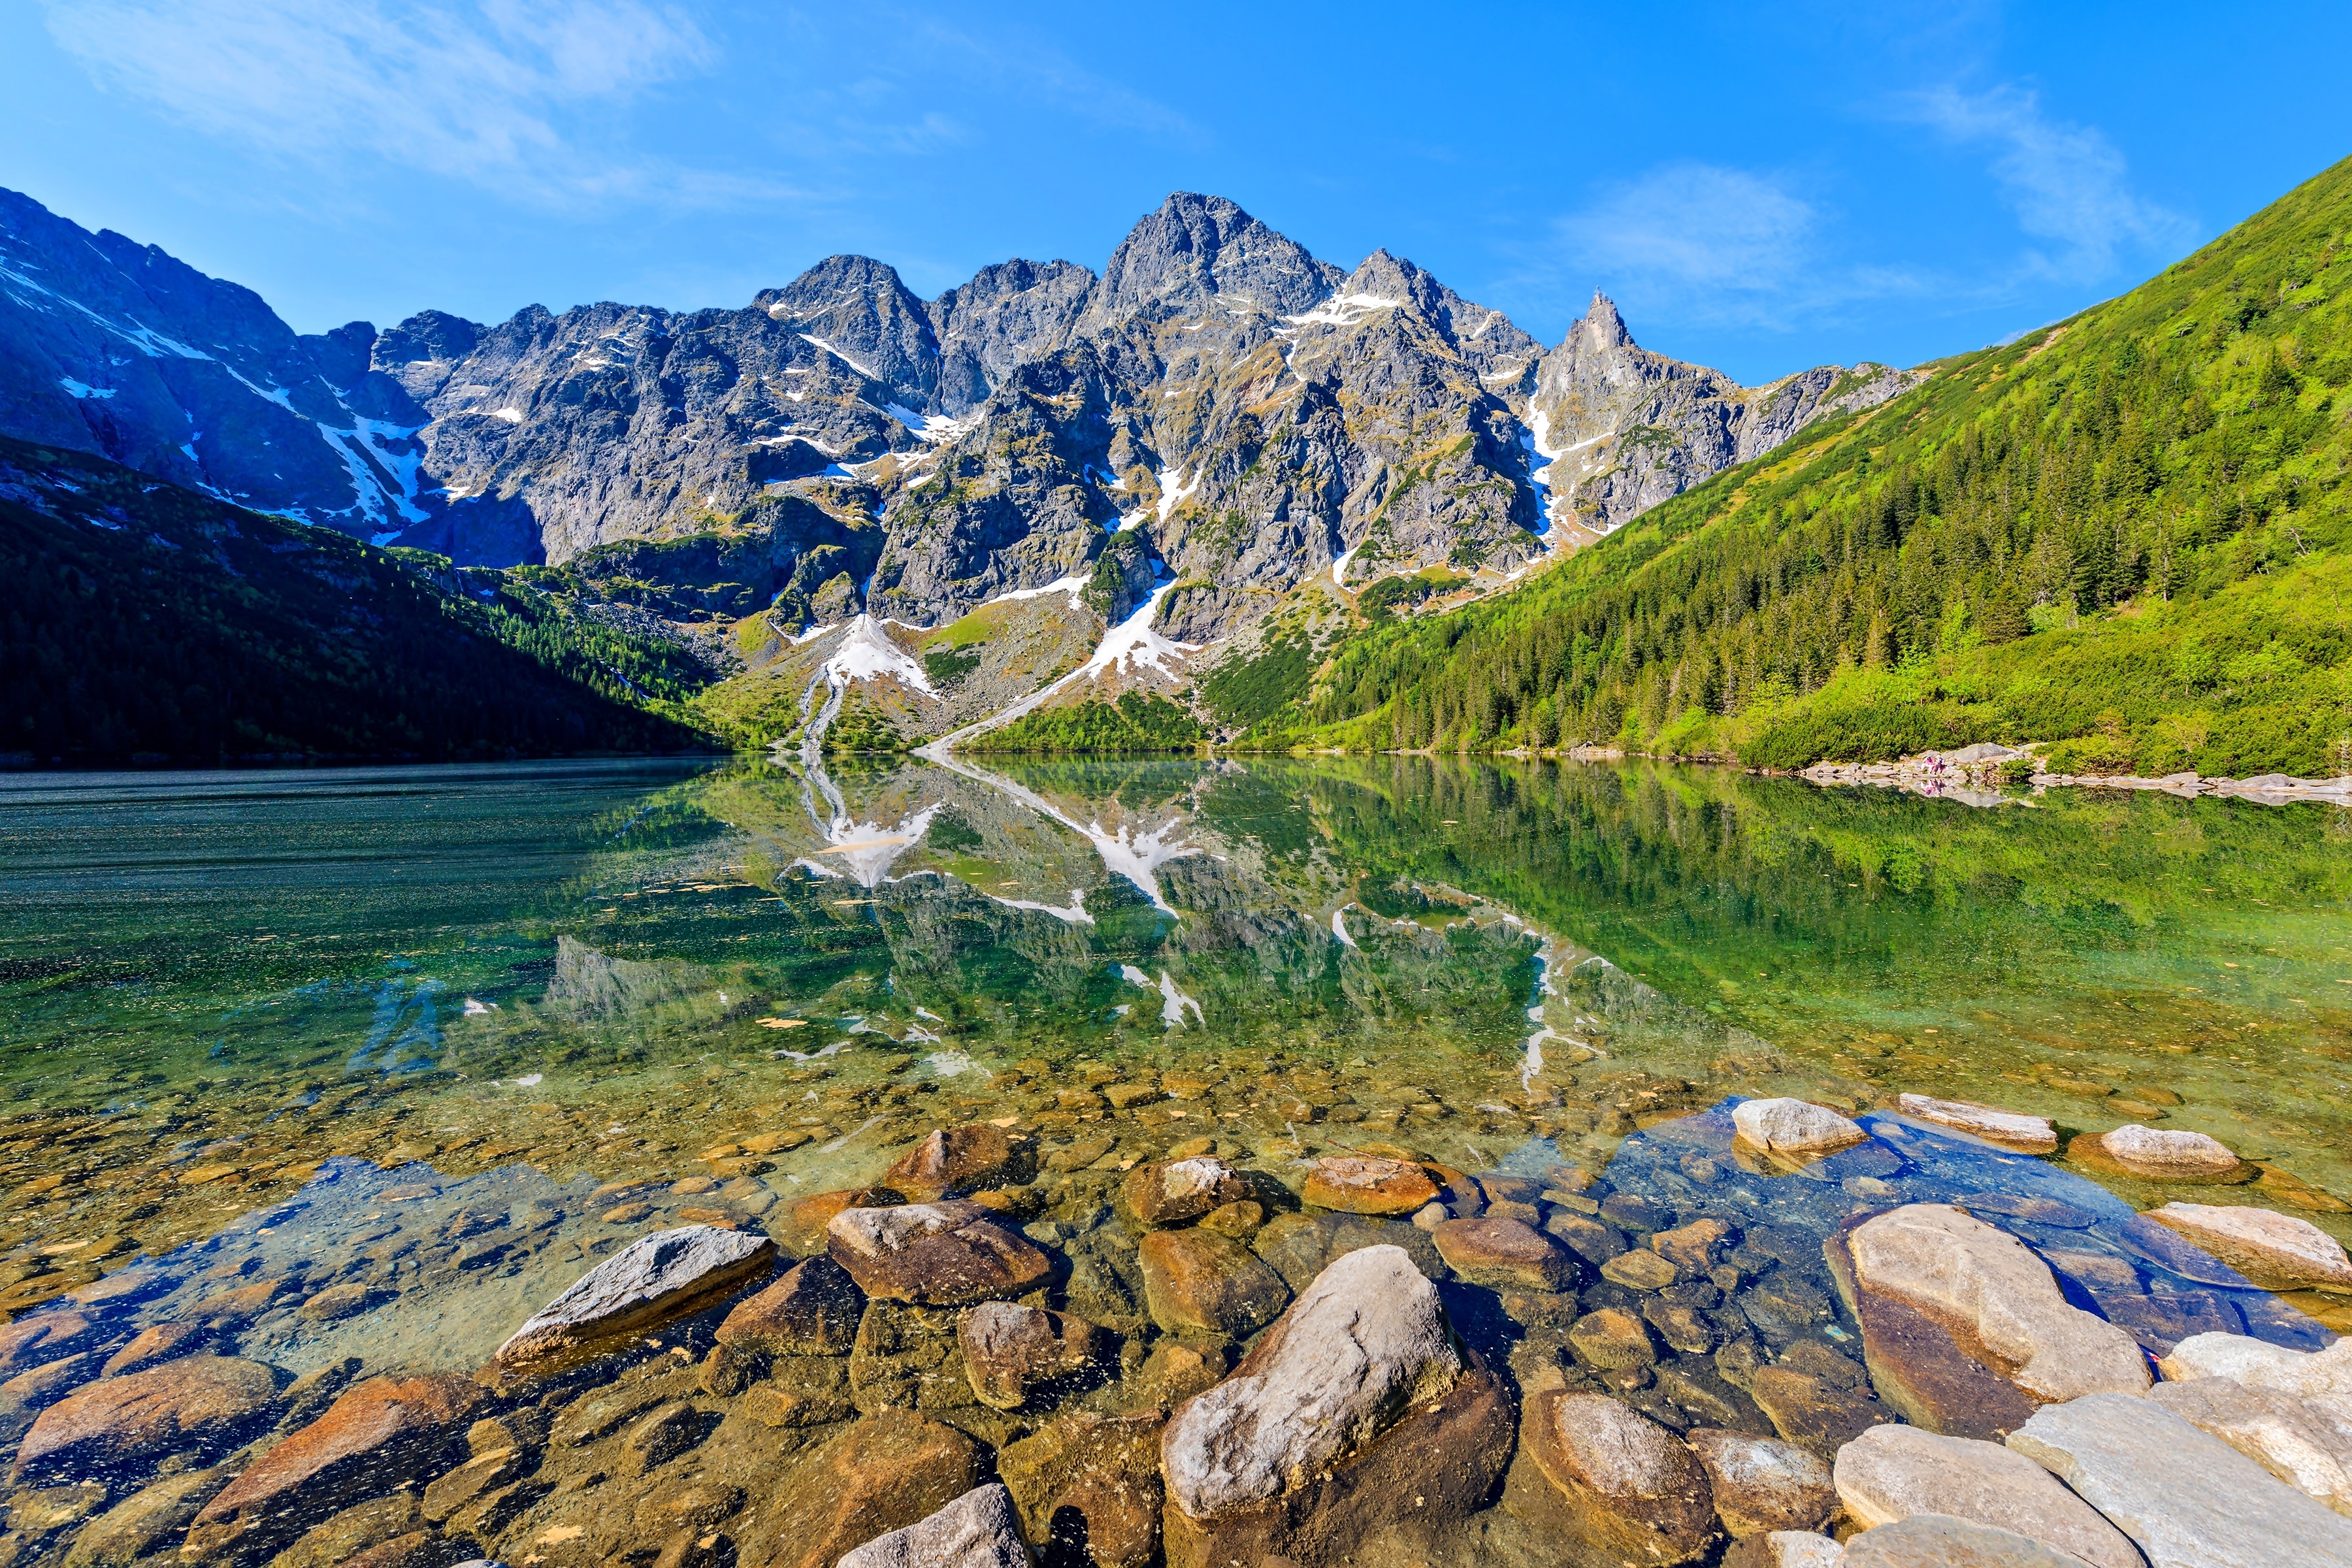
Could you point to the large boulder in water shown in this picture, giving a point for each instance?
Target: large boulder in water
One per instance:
(131, 1421)
(1357, 1411)
(1609, 1479)
(937, 1255)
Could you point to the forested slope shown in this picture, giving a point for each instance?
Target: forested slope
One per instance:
(2129, 530)
(148, 621)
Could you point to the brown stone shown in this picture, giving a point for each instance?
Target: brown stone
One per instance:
(339, 1301)
(1503, 1254)
(890, 1470)
(1609, 1478)
(478, 1477)
(1691, 1247)
(805, 1221)
(1088, 1488)
(1761, 1484)
(1200, 1281)
(381, 1433)
(1587, 1237)
(942, 1254)
(1814, 1414)
(195, 1402)
(957, 1159)
(1298, 1247)
(1368, 1183)
(43, 1337)
(1014, 1353)
(1640, 1270)
(230, 1309)
(147, 1522)
(774, 1406)
(1235, 1219)
(2151, 1155)
(1917, 1366)
(811, 1309)
(1613, 1340)
(1170, 1191)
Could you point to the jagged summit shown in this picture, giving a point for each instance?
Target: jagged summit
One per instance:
(1194, 247)
(1601, 328)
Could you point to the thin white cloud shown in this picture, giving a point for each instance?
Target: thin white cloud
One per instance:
(1704, 244)
(477, 89)
(2067, 184)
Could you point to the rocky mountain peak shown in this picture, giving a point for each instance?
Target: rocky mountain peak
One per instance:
(1602, 328)
(1196, 247)
(858, 310)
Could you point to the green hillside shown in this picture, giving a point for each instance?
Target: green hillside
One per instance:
(2128, 533)
(146, 622)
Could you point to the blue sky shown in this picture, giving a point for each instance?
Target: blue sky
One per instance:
(1761, 188)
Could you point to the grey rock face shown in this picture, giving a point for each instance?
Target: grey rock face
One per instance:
(2188, 1499)
(978, 1530)
(1891, 1473)
(1931, 1541)
(1261, 421)
(653, 1280)
(1364, 1341)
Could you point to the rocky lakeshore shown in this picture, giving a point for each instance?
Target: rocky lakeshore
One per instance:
(1988, 774)
(1768, 1331)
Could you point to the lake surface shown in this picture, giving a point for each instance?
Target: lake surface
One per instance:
(244, 1017)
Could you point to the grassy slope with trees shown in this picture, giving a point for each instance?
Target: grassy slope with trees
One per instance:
(152, 623)
(2126, 533)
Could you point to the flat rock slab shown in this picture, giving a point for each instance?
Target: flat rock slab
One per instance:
(2256, 1364)
(1794, 1127)
(942, 1254)
(1368, 1183)
(976, 1531)
(128, 1422)
(2155, 1156)
(1171, 1191)
(1014, 1353)
(2003, 1129)
(2305, 1443)
(812, 1309)
(381, 1432)
(2276, 1251)
(1761, 1484)
(1891, 1473)
(654, 1279)
(2000, 1300)
(2186, 1499)
(1932, 1542)
(1503, 1254)
(1814, 1414)
(1611, 1480)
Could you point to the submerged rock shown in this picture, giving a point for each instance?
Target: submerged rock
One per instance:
(1762, 1485)
(890, 1470)
(1794, 1127)
(2276, 1251)
(1503, 1254)
(1171, 1191)
(1014, 1353)
(812, 1309)
(957, 1159)
(1299, 1247)
(942, 1254)
(667, 1275)
(976, 1531)
(1891, 1473)
(1088, 1487)
(1368, 1183)
(2004, 1129)
(1965, 1329)
(1355, 1411)
(130, 1422)
(1200, 1281)
(384, 1433)
(2182, 1496)
(1814, 1414)
(1611, 1480)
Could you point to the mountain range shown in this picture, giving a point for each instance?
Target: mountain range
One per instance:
(1218, 440)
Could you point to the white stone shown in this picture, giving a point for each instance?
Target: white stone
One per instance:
(2188, 1499)
(1788, 1549)
(879, 1232)
(1794, 1126)
(2007, 1129)
(1959, 1269)
(2146, 1151)
(1892, 1473)
(2309, 1374)
(1364, 1340)
(2302, 1442)
(2278, 1251)
(979, 1529)
(652, 1279)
